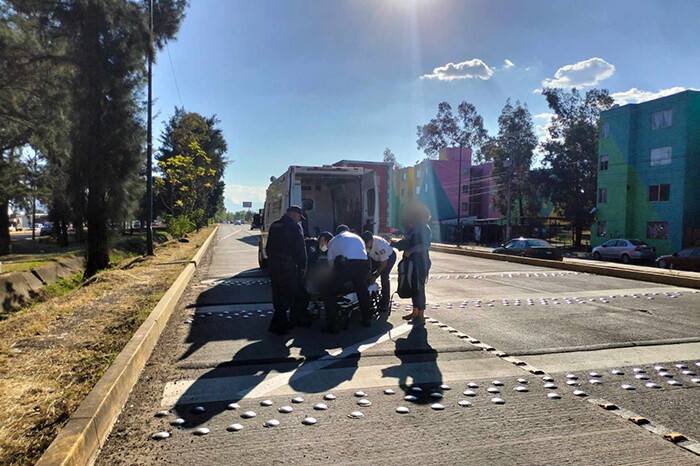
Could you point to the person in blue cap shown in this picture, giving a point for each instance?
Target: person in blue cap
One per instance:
(286, 255)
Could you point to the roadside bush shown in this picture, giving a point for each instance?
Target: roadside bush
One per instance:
(179, 226)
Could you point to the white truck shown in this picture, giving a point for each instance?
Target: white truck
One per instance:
(328, 195)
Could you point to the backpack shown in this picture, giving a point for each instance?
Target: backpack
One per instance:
(408, 278)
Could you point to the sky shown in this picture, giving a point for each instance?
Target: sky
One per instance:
(311, 82)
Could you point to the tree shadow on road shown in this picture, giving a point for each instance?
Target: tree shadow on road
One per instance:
(419, 361)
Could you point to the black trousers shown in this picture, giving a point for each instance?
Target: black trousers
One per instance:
(357, 272)
(286, 295)
(385, 281)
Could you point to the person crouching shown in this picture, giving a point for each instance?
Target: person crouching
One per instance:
(383, 258)
(349, 263)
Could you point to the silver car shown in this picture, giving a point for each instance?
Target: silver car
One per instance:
(626, 250)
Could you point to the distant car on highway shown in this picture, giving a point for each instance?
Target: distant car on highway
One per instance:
(626, 250)
(685, 259)
(237, 222)
(530, 247)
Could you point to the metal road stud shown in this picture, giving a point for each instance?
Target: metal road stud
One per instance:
(364, 402)
(413, 389)
(162, 413)
(652, 385)
(608, 406)
(498, 401)
(548, 378)
(665, 374)
(437, 406)
(360, 394)
(160, 435)
(520, 388)
(285, 409)
(177, 422)
(660, 368)
(297, 399)
(695, 380)
(473, 385)
(272, 423)
(594, 374)
(309, 421)
(641, 377)
(497, 383)
(573, 383)
(266, 403)
(410, 398)
(580, 393)
(201, 431)
(675, 383)
(521, 380)
(493, 390)
(389, 391)
(464, 403)
(617, 372)
(571, 376)
(198, 409)
(626, 386)
(550, 385)
(688, 372)
(329, 397)
(402, 410)
(595, 382)
(674, 437)
(469, 393)
(234, 427)
(249, 415)
(436, 395)
(639, 420)
(638, 370)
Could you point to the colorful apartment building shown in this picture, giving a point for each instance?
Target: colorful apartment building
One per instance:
(649, 173)
(436, 183)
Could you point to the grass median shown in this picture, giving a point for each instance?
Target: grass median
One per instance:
(53, 353)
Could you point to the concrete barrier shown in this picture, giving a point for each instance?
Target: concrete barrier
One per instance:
(632, 272)
(85, 433)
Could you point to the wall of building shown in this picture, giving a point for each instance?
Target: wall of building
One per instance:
(630, 172)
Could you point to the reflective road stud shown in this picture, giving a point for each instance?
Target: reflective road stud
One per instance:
(235, 427)
(201, 431)
(464, 403)
(553, 396)
(402, 410)
(160, 435)
(639, 420)
(674, 437)
(177, 422)
(309, 421)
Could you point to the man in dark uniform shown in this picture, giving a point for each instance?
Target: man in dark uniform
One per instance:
(286, 254)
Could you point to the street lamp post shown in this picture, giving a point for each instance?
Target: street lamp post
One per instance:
(149, 147)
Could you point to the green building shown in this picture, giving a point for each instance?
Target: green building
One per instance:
(649, 173)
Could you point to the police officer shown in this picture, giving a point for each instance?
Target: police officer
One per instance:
(286, 254)
(349, 263)
(383, 258)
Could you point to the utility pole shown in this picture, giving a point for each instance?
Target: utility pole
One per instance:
(459, 199)
(508, 163)
(149, 147)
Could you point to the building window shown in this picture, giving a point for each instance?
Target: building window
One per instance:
(465, 171)
(426, 187)
(417, 190)
(602, 195)
(603, 162)
(657, 230)
(404, 176)
(403, 192)
(418, 173)
(660, 156)
(601, 228)
(465, 189)
(659, 192)
(662, 119)
(604, 130)
(465, 206)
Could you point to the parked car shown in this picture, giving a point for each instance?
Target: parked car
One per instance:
(237, 222)
(685, 259)
(626, 250)
(46, 229)
(530, 247)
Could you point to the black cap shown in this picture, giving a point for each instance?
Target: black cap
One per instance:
(297, 209)
(341, 228)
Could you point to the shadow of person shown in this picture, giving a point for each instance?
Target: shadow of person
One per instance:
(231, 381)
(419, 362)
(322, 369)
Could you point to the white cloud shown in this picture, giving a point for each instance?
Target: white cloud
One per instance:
(584, 73)
(546, 116)
(237, 193)
(464, 70)
(635, 95)
(508, 64)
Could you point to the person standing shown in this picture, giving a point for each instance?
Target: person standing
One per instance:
(383, 258)
(416, 247)
(349, 263)
(286, 253)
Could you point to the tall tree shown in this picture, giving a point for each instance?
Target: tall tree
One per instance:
(464, 130)
(389, 157)
(571, 152)
(511, 152)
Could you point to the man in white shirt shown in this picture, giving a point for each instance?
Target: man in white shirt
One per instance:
(382, 257)
(348, 259)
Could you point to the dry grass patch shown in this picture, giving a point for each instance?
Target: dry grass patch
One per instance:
(52, 354)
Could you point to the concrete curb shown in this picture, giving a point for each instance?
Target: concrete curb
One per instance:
(631, 272)
(81, 438)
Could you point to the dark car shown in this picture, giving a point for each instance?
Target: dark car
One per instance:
(46, 229)
(530, 247)
(685, 259)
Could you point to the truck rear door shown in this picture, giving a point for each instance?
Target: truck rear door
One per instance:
(370, 202)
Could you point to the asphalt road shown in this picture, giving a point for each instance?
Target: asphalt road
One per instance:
(490, 321)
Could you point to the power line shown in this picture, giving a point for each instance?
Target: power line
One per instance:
(172, 68)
